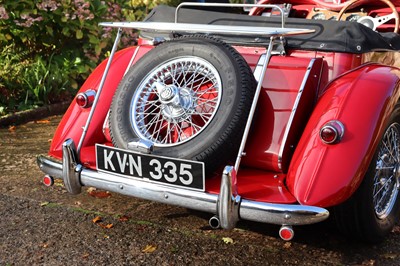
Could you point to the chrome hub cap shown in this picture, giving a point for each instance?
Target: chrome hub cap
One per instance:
(176, 101)
(387, 175)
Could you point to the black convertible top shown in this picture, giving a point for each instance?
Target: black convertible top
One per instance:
(330, 36)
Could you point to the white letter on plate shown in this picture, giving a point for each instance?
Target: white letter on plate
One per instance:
(137, 165)
(122, 163)
(107, 160)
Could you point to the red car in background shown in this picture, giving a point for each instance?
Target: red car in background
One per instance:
(284, 115)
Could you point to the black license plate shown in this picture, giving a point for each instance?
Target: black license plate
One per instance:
(168, 171)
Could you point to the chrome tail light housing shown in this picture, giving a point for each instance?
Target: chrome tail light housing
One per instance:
(332, 132)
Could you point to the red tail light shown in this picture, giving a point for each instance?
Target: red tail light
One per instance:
(332, 132)
(286, 232)
(85, 99)
(48, 180)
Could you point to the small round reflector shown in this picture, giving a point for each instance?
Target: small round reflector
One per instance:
(332, 132)
(48, 180)
(81, 100)
(286, 232)
(85, 99)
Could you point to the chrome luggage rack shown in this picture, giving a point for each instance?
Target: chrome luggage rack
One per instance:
(191, 28)
(273, 33)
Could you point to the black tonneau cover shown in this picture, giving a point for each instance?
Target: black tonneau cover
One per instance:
(331, 36)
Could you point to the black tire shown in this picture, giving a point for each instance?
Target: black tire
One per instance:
(190, 96)
(372, 212)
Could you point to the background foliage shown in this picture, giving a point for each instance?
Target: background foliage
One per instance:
(49, 47)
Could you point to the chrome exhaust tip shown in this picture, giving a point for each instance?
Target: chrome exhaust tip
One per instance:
(214, 222)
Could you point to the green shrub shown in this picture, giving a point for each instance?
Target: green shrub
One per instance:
(49, 47)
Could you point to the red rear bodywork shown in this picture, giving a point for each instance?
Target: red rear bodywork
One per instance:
(285, 160)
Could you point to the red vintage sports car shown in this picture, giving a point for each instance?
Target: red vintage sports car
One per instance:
(282, 115)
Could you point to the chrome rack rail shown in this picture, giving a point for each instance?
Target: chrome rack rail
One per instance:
(230, 5)
(97, 97)
(168, 27)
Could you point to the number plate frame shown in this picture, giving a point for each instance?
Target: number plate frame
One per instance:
(151, 168)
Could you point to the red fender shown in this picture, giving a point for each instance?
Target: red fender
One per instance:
(326, 175)
(75, 118)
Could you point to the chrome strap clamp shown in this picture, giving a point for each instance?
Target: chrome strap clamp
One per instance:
(140, 145)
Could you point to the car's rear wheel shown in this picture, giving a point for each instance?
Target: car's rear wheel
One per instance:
(372, 212)
(190, 97)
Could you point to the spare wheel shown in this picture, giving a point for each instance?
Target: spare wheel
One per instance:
(190, 97)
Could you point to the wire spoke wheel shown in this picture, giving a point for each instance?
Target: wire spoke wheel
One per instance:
(176, 101)
(385, 187)
(373, 210)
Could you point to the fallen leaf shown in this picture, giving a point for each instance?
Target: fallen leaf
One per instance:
(90, 189)
(12, 128)
(227, 240)
(98, 193)
(287, 245)
(389, 256)
(58, 183)
(368, 262)
(106, 226)
(96, 220)
(45, 203)
(42, 122)
(149, 249)
(86, 255)
(396, 229)
(124, 218)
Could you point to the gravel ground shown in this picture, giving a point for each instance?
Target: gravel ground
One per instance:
(48, 226)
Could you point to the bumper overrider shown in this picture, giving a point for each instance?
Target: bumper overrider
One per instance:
(228, 206)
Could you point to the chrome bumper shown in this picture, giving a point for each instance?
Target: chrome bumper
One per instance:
(228, 206)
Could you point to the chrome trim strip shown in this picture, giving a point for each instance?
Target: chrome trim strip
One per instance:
(249, 210)
(258, 68)
(96, 99)
(293, 113)
(132, 59)
(208, 29)
(230, 5)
